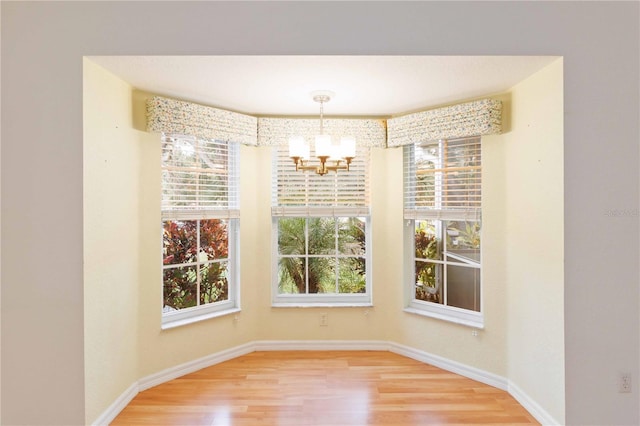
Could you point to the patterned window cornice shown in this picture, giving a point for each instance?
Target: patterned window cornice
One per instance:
(186, 118)
(277, 131)
(477, 118)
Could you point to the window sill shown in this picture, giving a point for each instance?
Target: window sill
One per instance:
(179, 322)
(474, 323)
(321, 305)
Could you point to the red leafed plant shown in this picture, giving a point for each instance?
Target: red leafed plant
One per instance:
(208, 257)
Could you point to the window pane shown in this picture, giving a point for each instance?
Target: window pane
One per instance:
(463, 240)
(214, 282)
(351, 235)
(180, 287)
(427, 244)
(322, 275)
(427, 160)
(463, 287)
(213, 156)
(177, 189)
(352, 275)
(214, 240)
(179, 241)
(428, 282)
(322, 235)
(291, 236)
(291, 275)
(179, 152)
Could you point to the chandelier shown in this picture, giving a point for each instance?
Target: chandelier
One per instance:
(330, 156)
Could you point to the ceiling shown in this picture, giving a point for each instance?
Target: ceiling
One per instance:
(363, 85)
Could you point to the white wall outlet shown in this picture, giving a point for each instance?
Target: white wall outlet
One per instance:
(624, 383)
(324, 320)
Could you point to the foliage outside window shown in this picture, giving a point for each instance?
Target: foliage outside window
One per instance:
(321, 232)
(443, 211)
(199, 226)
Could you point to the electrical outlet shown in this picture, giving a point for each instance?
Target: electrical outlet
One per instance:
(324, 320)
(624, 383)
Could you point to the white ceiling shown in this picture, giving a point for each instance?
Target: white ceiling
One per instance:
(363, 85)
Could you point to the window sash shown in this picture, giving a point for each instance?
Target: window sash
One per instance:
(444, 311)
(315, 299)
(187, 315)
(293, 191)
(199, 175)
(443, 180)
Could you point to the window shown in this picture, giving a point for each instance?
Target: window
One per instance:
(442, 210)
(321, 234)
(199, 228)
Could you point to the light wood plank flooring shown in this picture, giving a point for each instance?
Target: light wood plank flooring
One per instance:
(323, 388)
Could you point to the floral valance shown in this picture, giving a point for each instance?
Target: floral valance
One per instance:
(172, 116)
(277, 131)
(477, 118)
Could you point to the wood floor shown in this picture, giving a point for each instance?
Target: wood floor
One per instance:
(328, 388)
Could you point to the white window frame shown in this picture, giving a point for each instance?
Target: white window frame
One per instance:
(315, 211)
(444, 312)
(230, 213)
(320, 299)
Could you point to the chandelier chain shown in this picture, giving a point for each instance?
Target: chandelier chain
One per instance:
(321, 117)
(322, 98)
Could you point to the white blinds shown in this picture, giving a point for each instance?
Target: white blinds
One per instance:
(199, 178)
(443, 179)
(297, 193)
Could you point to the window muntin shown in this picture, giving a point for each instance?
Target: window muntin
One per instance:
(443, 212)
(443, 178)
(199, 226)
(321, 233)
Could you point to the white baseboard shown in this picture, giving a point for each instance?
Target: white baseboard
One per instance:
(321, 345)
(326, 345)
(531, 406)
(452, 366)
(195, 365)
(117, 406)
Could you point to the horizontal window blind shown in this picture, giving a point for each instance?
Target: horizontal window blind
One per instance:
(443, 179)
(305, 193)
(199, 178)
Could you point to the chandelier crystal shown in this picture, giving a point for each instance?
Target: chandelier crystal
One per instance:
(331, 157)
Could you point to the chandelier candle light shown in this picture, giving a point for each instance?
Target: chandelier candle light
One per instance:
(330, 155)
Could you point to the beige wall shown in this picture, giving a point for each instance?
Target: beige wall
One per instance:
(534, 238)
(112, 154)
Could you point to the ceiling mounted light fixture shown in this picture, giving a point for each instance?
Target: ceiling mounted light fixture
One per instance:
(331, 156)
